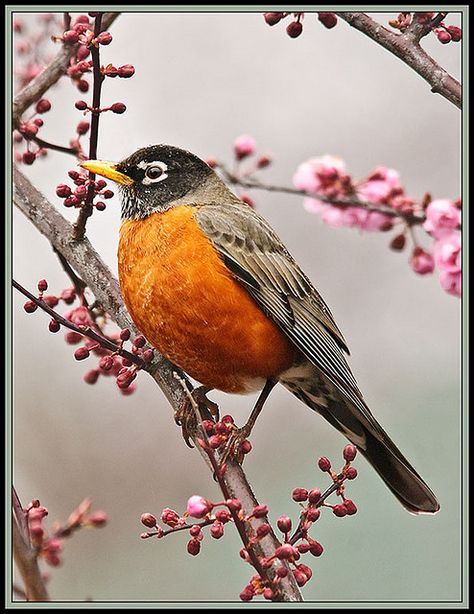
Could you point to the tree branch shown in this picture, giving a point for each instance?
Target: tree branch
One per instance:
(25, 556)
(89, 266)
(50, 75)
(406, 47)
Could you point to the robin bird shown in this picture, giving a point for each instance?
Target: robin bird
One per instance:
(212, 287)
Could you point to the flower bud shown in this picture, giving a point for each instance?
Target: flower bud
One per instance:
(98, 519)
(198, 507)
(148, 520)
(28, 157)
(350, 473)
(339, 510)
(54, 326)
(324, 464)
(455, 33)
(329, 20)
(81, 105)
(263, 530)
(43, 105)
(63, 190)
(299, 494)
(314, 495)
(316, 549)
(349, 452)
(70, 37)
(294, 29)
(82, 127)
(104, 38)
(126, 71)
(244, 146)
(284, 524)
(217, 529)
(30, 307)
(443, 36)
(272, 18)
(398, 242)
(81, 353)
(194, 546)
(118, 107)
(91, 376)
(260, 511)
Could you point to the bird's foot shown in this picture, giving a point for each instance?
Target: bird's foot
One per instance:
(185, 415)
(237, 444)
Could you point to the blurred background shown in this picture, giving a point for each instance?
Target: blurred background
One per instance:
(201, 80)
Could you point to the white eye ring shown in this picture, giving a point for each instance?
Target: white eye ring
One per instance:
(148, 166)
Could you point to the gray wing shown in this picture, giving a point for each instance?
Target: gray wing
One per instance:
(256, 256)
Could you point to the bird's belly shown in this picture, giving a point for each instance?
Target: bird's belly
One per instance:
(185, 301)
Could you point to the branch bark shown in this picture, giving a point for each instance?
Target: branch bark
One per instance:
(26, 557)
(89, 266)
(406, 47)
(50, 75)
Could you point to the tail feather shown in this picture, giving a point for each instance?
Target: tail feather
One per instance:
(373, 442)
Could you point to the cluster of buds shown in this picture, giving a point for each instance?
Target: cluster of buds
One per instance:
(445, 34)
(200, 513)
(295, 27)
(342, 201)
(49, 545)
(203, 514)
(244, 149)
(219, 436)
(28, 130)
(86, 190)
(118, 363)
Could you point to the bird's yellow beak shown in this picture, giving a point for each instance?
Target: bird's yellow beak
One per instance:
(108, 170)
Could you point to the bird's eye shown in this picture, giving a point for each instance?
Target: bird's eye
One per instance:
(153, 172)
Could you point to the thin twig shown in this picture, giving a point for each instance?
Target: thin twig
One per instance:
(406, 47)
(97, 79)
(86, 331)
(26, 557)
(410, 218)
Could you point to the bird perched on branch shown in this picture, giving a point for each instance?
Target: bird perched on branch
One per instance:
(214, 289)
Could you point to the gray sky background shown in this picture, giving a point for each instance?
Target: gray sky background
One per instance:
(201, 80)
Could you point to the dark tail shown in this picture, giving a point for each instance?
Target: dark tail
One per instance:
(363, 431)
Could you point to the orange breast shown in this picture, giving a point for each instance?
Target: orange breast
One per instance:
(185, 301)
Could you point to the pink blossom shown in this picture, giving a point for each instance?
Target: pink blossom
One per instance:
(315, 174)
(447, 253)
(198, 507)
(378, 187)
(422, 262)
(451, 282)
(442, 217)
(244, 146)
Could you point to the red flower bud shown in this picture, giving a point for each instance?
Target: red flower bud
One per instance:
(455, 32)
(91, 376)
(100, 206)
(63, 190)
(349, 452)
(217, 529)
(398, 242)
(125, 71)
(148, 520)
(30, 307)
(71, 37)
(82, 127)
(28, 157)
(81, 353)
(350, 506)
(339, 510)
(98, 519)
(263, 530)
(118, 107)
(104, 38)
(234, 505)
(285, 551)
(272, 18)
(443, 36)
(260, 511)
(284, 524)
(299, 494)
(294, 29)
(329, 20)
(194, 546)
(316, 549)
(324, 464)
(314, 495)
(81, 105)
(43, 105)
(109, 194)
(42, 285)
(54, 326)
(312, 514)
(139, 341)
(83, 85)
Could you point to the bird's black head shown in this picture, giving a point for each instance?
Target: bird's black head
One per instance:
(152, 178)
